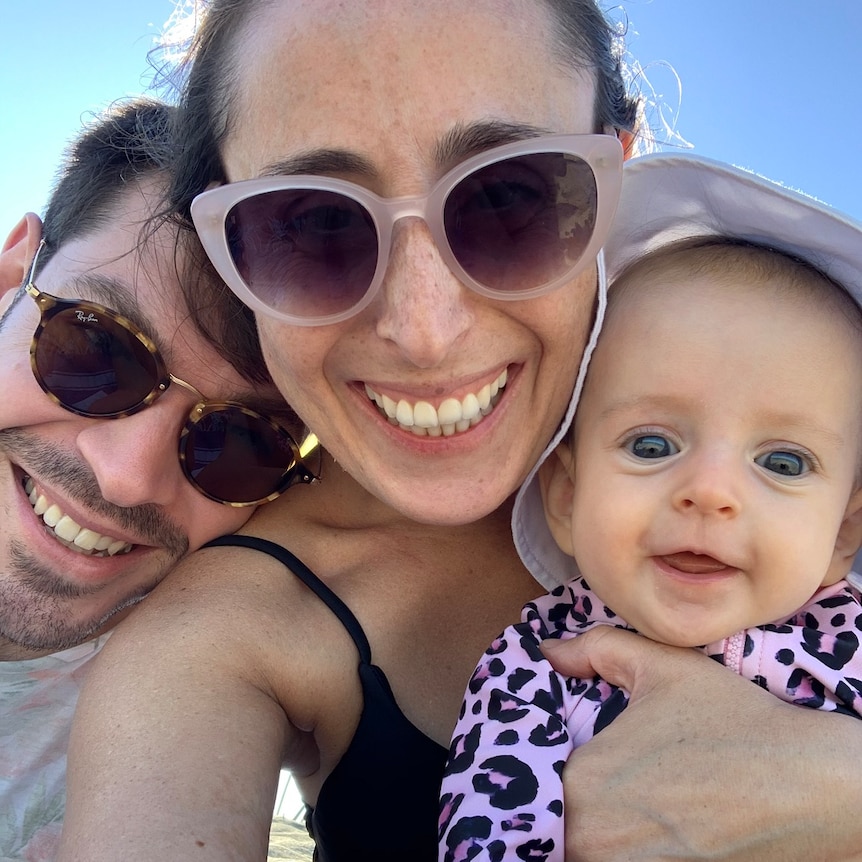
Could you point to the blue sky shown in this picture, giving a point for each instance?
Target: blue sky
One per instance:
(770, 85)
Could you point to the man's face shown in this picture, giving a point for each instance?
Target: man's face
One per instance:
(119, 478)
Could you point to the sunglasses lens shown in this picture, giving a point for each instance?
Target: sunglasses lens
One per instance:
(522, 222)
(92, 364)
(236, 456)
(306, 252)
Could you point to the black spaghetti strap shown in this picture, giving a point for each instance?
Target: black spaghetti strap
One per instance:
(295, 565)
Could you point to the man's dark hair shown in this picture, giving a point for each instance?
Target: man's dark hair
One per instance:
(116, 150)
(120, 148)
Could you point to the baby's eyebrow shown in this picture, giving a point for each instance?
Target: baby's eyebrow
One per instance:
(786, 421)
(803, 424)
(641, 403)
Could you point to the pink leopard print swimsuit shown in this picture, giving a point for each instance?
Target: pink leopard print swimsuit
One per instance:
(502, 794)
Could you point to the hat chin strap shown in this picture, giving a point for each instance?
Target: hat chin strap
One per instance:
(535, 544)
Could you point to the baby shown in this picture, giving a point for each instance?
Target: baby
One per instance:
(709, 491)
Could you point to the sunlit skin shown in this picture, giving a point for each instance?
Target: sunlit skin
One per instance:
(268, 676)
(720, 383)
(425, 336)
(117, 477)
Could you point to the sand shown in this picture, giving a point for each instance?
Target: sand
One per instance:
(289, 840)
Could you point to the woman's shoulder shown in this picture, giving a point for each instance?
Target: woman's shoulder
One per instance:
(247, 567)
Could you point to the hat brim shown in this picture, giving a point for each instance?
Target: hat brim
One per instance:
(669, 197)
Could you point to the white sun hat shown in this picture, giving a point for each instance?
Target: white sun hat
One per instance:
(668, 197)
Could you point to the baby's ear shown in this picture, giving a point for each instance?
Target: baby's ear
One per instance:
(848, 541)
(556, 480)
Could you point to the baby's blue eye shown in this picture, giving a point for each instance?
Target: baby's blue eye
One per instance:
(783, 463)
(651, 446)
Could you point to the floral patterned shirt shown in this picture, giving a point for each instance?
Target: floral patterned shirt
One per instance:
(37, 700)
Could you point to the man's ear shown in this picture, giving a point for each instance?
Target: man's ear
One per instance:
(557, 484)
(17, 253)
(848, 541)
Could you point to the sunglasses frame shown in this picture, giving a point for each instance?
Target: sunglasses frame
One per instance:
(298, 473)
(50, 306)
(603, 154)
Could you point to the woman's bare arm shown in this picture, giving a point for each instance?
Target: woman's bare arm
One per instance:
(177, 741)
(705, 765)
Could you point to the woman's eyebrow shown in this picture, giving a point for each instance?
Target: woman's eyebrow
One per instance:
(321, 161)
(469, 139)
(457, 144)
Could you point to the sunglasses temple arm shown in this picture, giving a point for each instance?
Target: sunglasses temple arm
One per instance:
(309, 446)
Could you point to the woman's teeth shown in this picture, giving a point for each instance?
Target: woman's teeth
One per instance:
(70, 533)
(451, 417)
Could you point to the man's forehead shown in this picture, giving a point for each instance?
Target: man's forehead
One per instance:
(140, 281)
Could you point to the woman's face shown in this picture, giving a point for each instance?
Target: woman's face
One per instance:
(391, 94)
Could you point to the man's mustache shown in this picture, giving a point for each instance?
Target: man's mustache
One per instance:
(146, 520)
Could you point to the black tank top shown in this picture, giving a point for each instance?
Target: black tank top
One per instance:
(380, 803)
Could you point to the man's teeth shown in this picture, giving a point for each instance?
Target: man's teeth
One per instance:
(69, 531)
(451, 417)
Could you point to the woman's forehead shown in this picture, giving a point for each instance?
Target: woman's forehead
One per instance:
(396, 80)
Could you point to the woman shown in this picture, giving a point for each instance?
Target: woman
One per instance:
(236, 666)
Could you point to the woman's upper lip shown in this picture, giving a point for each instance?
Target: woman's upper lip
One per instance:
(435, 392)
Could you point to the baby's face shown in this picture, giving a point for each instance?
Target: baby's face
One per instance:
(717, 450)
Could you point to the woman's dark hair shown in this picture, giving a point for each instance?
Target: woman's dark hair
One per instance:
(585, 40)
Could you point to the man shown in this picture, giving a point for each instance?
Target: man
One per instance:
(97, 505)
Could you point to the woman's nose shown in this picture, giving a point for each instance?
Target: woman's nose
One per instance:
(423, 308)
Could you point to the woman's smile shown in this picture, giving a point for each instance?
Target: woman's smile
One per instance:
(450, 416)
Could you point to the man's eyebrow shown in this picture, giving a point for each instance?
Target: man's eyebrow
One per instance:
(117, 296)
(457, 144)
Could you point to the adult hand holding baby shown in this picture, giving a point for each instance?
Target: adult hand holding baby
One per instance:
(622, 800)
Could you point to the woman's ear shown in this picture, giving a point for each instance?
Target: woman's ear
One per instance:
(848, 542)
(557, 484)
(18, 250)
(627, 139)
